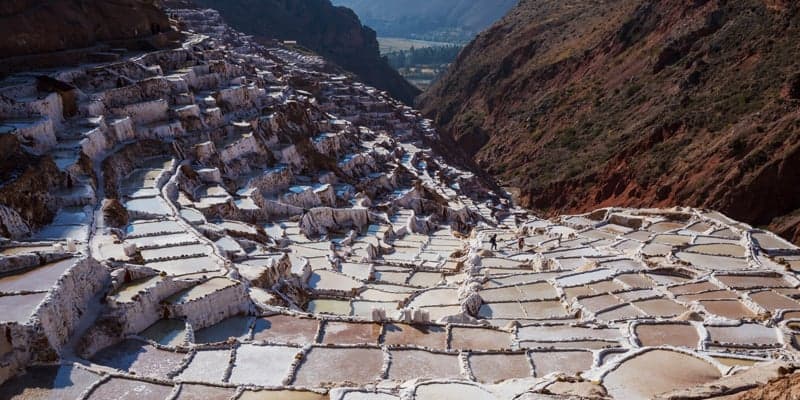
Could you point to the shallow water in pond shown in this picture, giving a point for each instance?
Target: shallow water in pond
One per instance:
(39, 278)
(204, 289)
(56, 382)
(127, 389)
(166, 332)
(431, 336)
(437, 312)
(736, 362)
(767, 241)
(568, 362)
(570, 345)
(163, 240)
(329, 280)
(543, 309)
(773, 301)
(479, 339)
(712, 262)
(435, 297)
(24, 250)
(565, 332)
(203, 392)
(660, 307)
(698, 287)
(280, 395)
(732, 309)
(679, 335)
(130, 290)
(236, 327)
(658, 371)
(673, 240)
(325, 366)
(285, 329)
(207, 366)
(620, 313)
(19, 308)
(176, 251)
(355, 270)
(250, 366)
(719, 249)
(493, 368)
(753, 281)
(425, 279)
(143, 359)
(363, 308)
(186, 266)
(329, 306)
(350, 333)
(412, 364)
(381, 296)
(744, 334)
(451, 391)
(511, 310)
(665, 226)
(153, 227)
(148, 205)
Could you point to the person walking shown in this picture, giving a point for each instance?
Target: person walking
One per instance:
(493, 241)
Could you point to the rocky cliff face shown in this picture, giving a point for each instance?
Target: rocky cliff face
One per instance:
(581, 104)
(333, 32)
(69, 24)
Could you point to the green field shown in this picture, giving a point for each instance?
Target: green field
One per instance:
(391, 45)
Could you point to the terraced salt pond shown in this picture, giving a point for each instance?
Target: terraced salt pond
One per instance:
(246, 270)
(38, 279)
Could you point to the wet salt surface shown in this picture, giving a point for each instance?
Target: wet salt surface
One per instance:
(235, 327)
(58, 382)
(203, 392)
(37, 279)
(167, 332)
(127, 389)
(656, 372)
(327, 366)
(19, 308)
(250, 366)
(132, 355)
(207, 366)
(493, 368)
(413, 364)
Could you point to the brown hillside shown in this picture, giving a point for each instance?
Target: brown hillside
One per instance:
(582, 104)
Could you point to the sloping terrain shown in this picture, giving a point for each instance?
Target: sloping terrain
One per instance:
(40, 34)
(580, 104)
(445, 20)
(333, 32)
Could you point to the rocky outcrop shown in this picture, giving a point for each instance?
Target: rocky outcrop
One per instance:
(72, 25)
(334, 32)
(580, 105)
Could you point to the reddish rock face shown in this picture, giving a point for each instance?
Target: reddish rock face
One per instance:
(68, 24)
(634, 103)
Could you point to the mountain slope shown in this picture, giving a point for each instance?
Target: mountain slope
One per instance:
(333, 32)
(67, 24)
(581, 104)
(446, 20)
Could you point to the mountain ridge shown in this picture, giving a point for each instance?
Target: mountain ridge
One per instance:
(586, 104)
(335, 33)
(446, 20)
